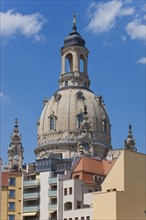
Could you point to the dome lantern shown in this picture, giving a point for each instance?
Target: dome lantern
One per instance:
(74, 56)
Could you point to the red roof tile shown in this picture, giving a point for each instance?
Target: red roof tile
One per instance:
(88, 167)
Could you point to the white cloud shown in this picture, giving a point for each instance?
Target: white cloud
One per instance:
(142, 60)
(103, 15)
(136, 30)
(13, 23)
(3, 97)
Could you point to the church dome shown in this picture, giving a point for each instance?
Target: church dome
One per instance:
(74, 120)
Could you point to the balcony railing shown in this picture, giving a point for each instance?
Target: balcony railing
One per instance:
(52, 193)
(52, 180)
(27, 196)
(52, 207)
(31, 209)
(31, 183)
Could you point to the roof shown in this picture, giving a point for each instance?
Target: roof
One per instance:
(88, 167)
(107, 165)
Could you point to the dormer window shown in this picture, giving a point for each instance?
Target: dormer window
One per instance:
(79, 120)
(79, 96)
(52, 123)
(52, 120)
(57, 97)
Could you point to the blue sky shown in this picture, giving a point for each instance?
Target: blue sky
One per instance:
(32, 33)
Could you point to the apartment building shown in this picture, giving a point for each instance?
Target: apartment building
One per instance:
(11, 196)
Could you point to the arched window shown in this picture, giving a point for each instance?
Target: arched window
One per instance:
(68, 63)
(52, 123)
(68, 206)
(82, 64)
(66, 83)
(104, 124)
(79, 120)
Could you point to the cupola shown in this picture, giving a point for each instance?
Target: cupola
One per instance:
(74, 61)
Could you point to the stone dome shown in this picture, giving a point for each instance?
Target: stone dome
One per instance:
(73, 121)
(66, 108)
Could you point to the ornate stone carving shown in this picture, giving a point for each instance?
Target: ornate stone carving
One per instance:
(130, 141)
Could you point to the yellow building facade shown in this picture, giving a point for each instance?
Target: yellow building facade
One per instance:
(123, 195)
(11, 196)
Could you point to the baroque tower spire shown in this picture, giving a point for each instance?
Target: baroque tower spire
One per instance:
(130, 141)
(15, 150)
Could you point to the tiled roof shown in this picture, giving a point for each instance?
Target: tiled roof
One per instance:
(107, 165)
(87, 167)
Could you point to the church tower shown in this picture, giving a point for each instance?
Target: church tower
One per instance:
(15, 150)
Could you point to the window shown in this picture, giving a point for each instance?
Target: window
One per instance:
(76, 218)
(88, 218)
(69, 63)
(11, 217)
(12, 181)
(11, 206)
(104, 124)
(82, 63)
(82, 218)
(65, 191)
(52, 123)
(76, 176)
(67, 206)
(70, 190)
(70, 218)
(66, 83)
(79, 120)
(78, 204)
(79, 96)
(11, 193)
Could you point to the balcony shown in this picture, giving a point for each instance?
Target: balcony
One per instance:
(31, 183)
(52, 180)
(52, 193)
(29, 196)
(31, 209)
(52, 207)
